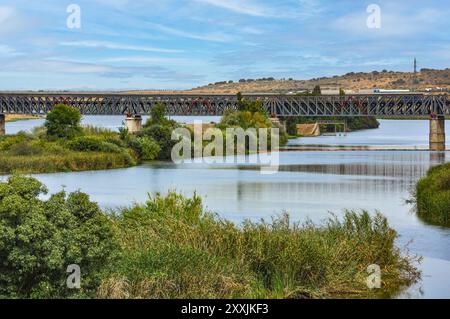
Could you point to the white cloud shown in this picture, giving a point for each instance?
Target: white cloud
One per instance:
(116, 46)
(242, 7)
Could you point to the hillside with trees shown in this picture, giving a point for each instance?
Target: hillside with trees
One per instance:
(354, 81)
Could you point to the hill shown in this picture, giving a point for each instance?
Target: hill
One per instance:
(427, 80)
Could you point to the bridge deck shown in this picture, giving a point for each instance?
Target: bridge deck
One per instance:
(386, 105)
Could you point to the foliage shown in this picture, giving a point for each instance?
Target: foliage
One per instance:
(172, 248)
(39, 239)
(353, 123)
(433, 196)
(158, 117)
(317, 91)
(93, 144)
(145, 147)
(163, 136)
(35, 153)
(250, 106)
(63, 122)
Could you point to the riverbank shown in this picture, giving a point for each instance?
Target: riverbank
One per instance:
(171, 247)
(63, 145)
(432, 196)
(352, 124)
(21, 117)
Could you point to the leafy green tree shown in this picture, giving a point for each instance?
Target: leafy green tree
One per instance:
(158, 113)
(40, 238)
(63, 122)
(163, 136)
(341, 92)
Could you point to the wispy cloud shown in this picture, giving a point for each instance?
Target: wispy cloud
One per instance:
(7, 51)
(116, 46)
(212, 36)
(242, 7)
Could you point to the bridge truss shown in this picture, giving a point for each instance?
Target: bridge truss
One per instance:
(395, 105)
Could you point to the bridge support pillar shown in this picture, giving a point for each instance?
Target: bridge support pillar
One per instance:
(2, 124)
(437, 133)
(133, 123)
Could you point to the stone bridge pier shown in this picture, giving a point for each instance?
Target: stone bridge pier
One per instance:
(2, 124)
(437, 133)
(133, 123)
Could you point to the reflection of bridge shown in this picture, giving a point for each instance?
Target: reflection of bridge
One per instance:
(399, 105)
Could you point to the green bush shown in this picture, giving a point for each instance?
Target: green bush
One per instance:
(172, 248)
(158, 117)
(25, 149)
(93, 144)
(353, 123)
(149, 148)
(39, 239)
(433, 196)
(145, 147)
(163, 136)
(63, 122)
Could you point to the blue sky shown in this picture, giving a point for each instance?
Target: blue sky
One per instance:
(168, 44)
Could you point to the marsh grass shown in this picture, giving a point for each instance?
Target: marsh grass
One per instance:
(432, 196)
(96, 149)
(172, 248)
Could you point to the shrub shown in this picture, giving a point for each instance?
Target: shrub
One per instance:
(149, 148)
(433, 196)
(163, 136)
(25, 149)
(39, 239)
(63, 122)
(93, 144)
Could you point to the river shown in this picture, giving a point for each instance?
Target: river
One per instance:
(374, 170)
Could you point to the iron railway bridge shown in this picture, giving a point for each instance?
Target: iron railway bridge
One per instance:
(435, 107)
(398, 105)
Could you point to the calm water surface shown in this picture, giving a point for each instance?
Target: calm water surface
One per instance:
(378, 176)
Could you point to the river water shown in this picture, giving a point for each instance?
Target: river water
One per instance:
(375, 170)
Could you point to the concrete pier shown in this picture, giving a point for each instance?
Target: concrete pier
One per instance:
(133, 123)
(437, 133)
(2, 124)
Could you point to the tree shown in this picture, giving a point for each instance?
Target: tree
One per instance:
(317, 91)
(39, 239)
(158, 116)
(341, 92)
(63, 122)
(158, 113)
(163, 136)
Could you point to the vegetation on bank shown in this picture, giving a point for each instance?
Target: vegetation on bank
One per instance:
(355, 123)
(170, 247)
(63, 145)
(433, 196)
(251, 114)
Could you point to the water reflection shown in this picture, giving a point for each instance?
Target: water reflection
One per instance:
(309, 185)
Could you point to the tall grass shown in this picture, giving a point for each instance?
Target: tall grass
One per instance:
(172, 248)
(33, 152)
(433, 196)
(70, 162)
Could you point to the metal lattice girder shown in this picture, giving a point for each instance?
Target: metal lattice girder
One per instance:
(188, 104)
